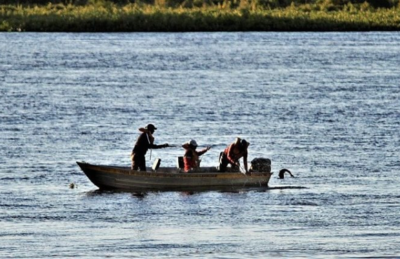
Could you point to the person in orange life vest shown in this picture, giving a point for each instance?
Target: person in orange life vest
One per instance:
(191, 158)
(144, 142)
(233, 153)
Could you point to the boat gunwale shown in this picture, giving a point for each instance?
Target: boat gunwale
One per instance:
(174, 174)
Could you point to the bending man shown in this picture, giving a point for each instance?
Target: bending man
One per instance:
(233, 153)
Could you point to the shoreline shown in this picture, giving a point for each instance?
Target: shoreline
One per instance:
(150, 18)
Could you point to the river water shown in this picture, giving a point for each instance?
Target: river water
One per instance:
(324, 105)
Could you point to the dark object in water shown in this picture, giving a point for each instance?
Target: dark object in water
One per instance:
(282, 173)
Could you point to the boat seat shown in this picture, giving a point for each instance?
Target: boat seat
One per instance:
(179, 162)
(156, 164)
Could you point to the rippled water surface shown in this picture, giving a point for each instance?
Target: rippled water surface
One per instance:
(324, 105)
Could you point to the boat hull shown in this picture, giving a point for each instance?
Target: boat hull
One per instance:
(165, 179)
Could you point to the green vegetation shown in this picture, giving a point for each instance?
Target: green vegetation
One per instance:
(199, 15)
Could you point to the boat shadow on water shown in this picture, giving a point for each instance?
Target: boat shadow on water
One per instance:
(143, 194)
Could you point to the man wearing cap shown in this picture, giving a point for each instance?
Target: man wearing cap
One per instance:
(233, 153)
(143, 143)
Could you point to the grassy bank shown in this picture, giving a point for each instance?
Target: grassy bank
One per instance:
(245, 16)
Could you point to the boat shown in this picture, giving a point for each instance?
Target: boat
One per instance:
(107, 177)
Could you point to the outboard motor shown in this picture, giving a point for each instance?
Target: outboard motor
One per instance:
(261, 165)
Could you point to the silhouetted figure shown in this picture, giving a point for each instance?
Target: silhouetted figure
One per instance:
(144, 142)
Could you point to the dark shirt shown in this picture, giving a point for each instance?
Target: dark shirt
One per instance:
(143, 143)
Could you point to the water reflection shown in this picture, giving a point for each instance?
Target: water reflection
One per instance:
(144, 194)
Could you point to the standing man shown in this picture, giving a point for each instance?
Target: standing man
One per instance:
(144, 142)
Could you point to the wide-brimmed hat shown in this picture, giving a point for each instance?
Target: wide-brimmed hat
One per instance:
(193, 143)
(150, 127)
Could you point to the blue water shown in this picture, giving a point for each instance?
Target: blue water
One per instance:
(324, 105)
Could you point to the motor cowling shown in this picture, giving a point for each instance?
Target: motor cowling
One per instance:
(261, 165)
